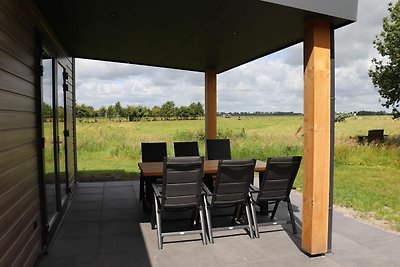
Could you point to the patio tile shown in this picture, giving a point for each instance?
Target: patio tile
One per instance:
(363, 233)
(120, 227)
(118, 183)
(342, 242)
(120, 214)
(85, 205)
(82, 216)
(118, 193)
(87, 197)
(361, 256)
(85, 261)
(90, 184)
(65, 247)
(123, 260)
(89, 190)
(120, 244)
(79, 229)
(297, 260)
(390, 249)
(120, 204)
(110, 229)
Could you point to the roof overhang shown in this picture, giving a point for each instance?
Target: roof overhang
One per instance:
(188, 35)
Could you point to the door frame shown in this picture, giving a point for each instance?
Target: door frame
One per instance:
(49, 229)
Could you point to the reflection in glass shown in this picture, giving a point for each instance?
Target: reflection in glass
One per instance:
(48, 118)
(61, 128)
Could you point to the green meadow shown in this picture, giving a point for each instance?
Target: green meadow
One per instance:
(367, 177)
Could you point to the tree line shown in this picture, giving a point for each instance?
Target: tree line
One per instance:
(167, 111)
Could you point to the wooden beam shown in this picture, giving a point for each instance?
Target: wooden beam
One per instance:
(211, 104)
(317, 84)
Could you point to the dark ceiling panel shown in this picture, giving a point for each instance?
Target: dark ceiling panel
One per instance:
(190, 35)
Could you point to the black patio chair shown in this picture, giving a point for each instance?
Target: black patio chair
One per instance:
(218, 149)
(180, 190)
(275, 187)
(151, 152)
(231, 189)
(186, 149)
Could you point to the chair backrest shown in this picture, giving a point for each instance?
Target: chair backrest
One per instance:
(218, 149)
(233, 181)
(153, 152)
(375, 136)
(186, 149)
(278, 178)
(182, 180)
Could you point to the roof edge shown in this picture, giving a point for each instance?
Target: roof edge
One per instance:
(343, 9)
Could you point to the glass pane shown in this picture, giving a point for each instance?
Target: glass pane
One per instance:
(48, 118)
(60, 92)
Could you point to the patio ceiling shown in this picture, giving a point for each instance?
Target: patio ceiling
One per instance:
(189, 35)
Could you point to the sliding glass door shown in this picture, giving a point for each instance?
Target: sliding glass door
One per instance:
(54, 183)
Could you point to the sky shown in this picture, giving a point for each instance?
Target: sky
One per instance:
(269, 84)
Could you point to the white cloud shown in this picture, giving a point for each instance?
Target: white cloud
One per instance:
(272, 83)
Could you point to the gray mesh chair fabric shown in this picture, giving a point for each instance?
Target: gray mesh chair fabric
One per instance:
(276, 186)
(231, 189)
(151, 152)
(181, 189)
(218, 149)
(186, 149)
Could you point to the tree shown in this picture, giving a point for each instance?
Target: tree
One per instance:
(197, 110)
(155, 112)
(168, 110)
(385, 73)
(84, 111)
(111, 111)
(118, 109)
(102, 112)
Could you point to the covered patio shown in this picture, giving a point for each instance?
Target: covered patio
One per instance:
(213, 37)
(105, 226)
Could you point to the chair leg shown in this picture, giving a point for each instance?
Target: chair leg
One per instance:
(141, 187)
(275, 208)
(249, 220)
(195, 217)
(159, 233)
(153, 215)
(208, 217)
(290, 208)
(203, 226)
(237, 215)
(253, 213)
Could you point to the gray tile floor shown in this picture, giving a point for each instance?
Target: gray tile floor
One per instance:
(105, 226)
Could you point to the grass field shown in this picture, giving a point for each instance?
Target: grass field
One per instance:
(367, 177)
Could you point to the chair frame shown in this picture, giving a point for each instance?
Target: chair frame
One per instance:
(144, 180)
(160, 198)
(225, 143)
(296, 160)
(193, 147)
(238, 204)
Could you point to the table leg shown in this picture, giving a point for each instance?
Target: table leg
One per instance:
(263, 206)
(141, 189)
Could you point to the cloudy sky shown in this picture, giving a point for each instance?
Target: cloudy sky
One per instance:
(272, 83)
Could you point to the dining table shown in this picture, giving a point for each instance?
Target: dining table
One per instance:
(155, 169)
(209, 167)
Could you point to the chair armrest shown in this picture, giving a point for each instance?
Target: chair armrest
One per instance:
(156, 190)
(254, 189)
(206, 190)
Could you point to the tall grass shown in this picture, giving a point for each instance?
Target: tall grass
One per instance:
(367, 177)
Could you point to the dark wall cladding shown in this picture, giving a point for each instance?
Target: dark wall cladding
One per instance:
(20, 219)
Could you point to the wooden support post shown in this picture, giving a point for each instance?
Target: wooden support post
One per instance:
(317, 82)
(211, 104)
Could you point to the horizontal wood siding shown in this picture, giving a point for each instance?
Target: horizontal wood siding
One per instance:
(20, 222)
